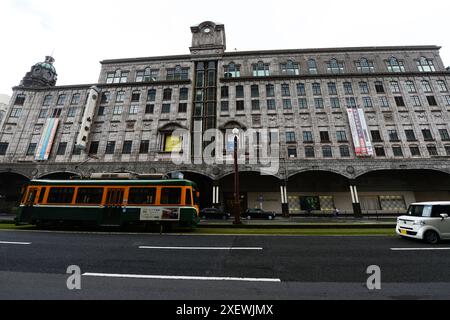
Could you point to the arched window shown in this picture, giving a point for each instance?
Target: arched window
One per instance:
(334, 66)
(312, 66)
(75, 99)
(47, 100)
(232, 70)
(364, 66)
(290, 68)
(425, 65)
(261, 69)
(395, 65)
(426, 86)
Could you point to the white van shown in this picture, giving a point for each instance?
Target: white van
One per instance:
(428, 221)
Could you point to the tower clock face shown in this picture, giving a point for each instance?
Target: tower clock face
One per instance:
(47, 75)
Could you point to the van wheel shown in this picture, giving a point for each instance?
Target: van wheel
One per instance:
(431, 237)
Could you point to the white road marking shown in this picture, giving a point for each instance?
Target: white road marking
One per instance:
(139, 276)
(418, 249)
(18, 243)
(199, 248)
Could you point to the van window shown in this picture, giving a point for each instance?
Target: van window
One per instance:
(170, 195)
(440, 209)
(142, 196)
(60, 195)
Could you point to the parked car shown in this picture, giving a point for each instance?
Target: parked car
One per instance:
(428, 221)
(214, 213)
(258, 214)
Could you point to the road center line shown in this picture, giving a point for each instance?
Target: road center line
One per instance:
(137, 276)
(18, 243)
(199, 248)
(418, 249)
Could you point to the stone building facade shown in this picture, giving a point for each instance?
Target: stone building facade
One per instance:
(305, 94)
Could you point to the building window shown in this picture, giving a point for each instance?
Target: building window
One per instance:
(149, 108)
(367, 102)
(177, 73)
(416, 101)
(151, 95)
(165, 108)
(61, 149)
(411, 87)
(261, 69)
(318, 103)
(394, 65)
(285, 90)
(15, 113)
(341, 136)
(31, 149)
(395, 87)
(61, 100)
(379, 151)
(93, 148)
(432, 150)
(335, 102)
(224, 92)
(75, 99)
(425, 65)
(316, 89)
(147, 75)
(255, 91)
(270, 90)
(144, 146)
(255, 105)
(365, 66)
(364, 87)
(393, 136)
(3, 148)
(410, 135)
(171, 142)
(43, 113)
(182, 108)
(47, 100)
(426, 86)
(271, 104)
(126, 148)
(117, 110)
(415, 151)
(287, 104)
(432, 101)
(397, 151)
(302, 103)
(167, 94)
(442, 86)
(399, 101)
(239, 91)
(71, 112)
(301, 89)
(183, 94)
(290, 68)
(384, 102)
(232, 71)
(76, 151)
(379, 88)
(332, 89)
(105, 97)
(56, 113)
(327, 152)
(134, 109)
(290, 137)
(309, 152)
(110, 147)
(348, 88)
(117, 77)
(324, 137)
(344, 151)
(447, 150)
(444, 134)
(351, 102)
(292, 152)
(312, 66)
(427, 136)
(120, 97)
(136, 96)
(224, 106)
(20, 100)
(334, 66)
(240, 105)
(307, 137)
(376, 136)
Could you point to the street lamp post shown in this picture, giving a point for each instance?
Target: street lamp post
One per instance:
(237, 196)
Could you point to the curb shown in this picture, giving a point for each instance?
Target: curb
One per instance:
(299, 226)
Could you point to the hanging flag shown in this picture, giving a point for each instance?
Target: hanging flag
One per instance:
(47, 138)
(360, 134)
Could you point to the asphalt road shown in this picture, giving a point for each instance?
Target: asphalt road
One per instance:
(33, 265)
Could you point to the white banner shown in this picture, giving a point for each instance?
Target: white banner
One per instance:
(360, 133)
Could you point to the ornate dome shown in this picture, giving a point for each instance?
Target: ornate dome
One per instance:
(42, 74)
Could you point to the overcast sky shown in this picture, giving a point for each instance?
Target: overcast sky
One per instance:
(83, 32)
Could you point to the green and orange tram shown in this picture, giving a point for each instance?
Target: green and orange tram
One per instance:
(110, 202)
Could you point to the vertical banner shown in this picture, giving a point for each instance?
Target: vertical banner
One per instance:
(46, 142)
(360, 134)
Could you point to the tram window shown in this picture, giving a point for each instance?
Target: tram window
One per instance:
(89, 195)
(142, 196)
(170, 195)
(196, 196)
(60, 195)
(188, 197)
(41, 195)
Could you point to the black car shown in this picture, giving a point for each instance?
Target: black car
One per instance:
(258, 214)
(214, 213)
